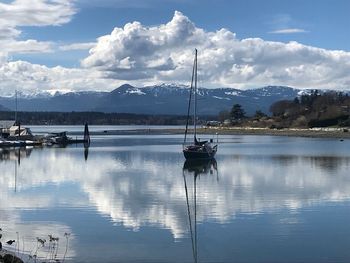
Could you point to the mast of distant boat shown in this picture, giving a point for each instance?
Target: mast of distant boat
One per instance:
(195, 98)
(16, 117)
(16, 107)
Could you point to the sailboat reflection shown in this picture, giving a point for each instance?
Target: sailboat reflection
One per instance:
(196, 168)
(86, 153)
(15, 154)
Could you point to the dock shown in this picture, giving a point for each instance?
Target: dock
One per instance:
(18, 136)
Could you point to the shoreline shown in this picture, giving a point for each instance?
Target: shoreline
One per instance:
(341, 133)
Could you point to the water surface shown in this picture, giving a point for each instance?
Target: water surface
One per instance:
(134, 199)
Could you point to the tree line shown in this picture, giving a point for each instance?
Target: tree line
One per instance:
(93, 118)
(316, 109)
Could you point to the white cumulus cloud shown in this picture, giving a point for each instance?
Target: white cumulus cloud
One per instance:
(36, 12)
(22, 13)
(27, 46)
(28, 77)
(165, 53)
(77, 46)
(147, 51)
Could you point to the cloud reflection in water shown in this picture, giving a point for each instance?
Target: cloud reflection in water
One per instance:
(138, 189)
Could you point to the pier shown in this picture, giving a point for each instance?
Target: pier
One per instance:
(15, 135)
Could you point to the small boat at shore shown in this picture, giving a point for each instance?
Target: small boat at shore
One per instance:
(10, 140)
(196, 149)
(61, 138)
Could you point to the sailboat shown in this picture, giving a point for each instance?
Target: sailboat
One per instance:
(197, 149)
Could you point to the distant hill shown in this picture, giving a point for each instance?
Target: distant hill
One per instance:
(313, 110)
(158, 99)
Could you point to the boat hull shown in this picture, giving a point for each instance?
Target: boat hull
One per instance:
(193, 154)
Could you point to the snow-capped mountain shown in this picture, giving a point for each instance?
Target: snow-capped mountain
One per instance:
(158, 99)
(169, 99)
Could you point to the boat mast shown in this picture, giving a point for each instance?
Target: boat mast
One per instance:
(16, 107)
(195, 98)
(189, 101)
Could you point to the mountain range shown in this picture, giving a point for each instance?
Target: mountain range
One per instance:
(158, 99)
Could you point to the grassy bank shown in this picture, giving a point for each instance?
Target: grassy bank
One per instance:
(314, 132)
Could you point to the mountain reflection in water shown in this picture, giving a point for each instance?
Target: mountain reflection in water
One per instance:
(133, 199)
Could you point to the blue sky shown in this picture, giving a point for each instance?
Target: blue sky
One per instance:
(40, 34)
(324, 22)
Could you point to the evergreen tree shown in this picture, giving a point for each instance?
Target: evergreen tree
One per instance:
(259, 114)
(237, 112)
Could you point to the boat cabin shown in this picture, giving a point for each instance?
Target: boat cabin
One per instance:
(5, 126)
(9, 130)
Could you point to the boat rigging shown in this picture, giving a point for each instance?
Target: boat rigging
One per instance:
(198, 149)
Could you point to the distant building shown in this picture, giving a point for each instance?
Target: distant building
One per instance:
(227, 122)
(213, 123)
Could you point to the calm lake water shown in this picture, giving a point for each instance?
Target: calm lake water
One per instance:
(134, 199)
